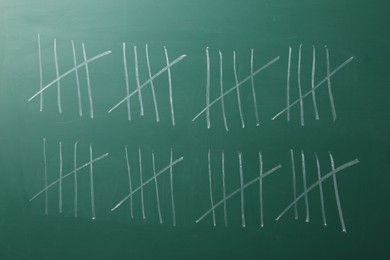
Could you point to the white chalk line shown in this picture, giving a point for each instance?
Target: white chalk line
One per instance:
(57, 75)
(60, 183)
(307, 208)
(330, 93)
(254, 92)
(239, 84)
(77, 79)
(321, 190)
(224, 189)
(172, 195)
(211, 187)
(146, 182)
(170, 87)
(222, 91)
(130, 184)
(148, 82)
(151, 85)
(336, 193)
(69, 72)
(208, 88)
(238, 89)
(316, 86)
(45, 169)
(141, 181)
(40, 73)
(294, 183)
(88, 82)
(75, 204)
(126, 79)
(302, 111)
(323, 178)
(243, 222)
(236, 192)
(313, 73)
(288, 82)
(136, 71)
(261, 189)
(68, 174)
(156, 188)
(93, 210)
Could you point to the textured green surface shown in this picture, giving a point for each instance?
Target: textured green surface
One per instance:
(356, 29)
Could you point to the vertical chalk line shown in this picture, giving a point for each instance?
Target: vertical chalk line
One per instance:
(300, 87)
(75, 180)
(261, 189)
(92, 183)
(40, 74)
(45, 169)
(211, 187)
(156, 188)
(141, 181)
(321, 190)
(172, 195)
(57, 75)
(294, 183)
(336, 193)
(126, 79)
(170, 87)
(330, 85)
(88, 82)
(77, 79)
(141, 103)
(242, 191)
(224, 189)
(147, 182)
(323, 178)
(313, 91)
(305, 187)
(254, 92)
(208, 88)
(238, 90)
(288, 82)
(60, 183)
(130, 185)
(222, 91)
(151, 84)
(237, 191)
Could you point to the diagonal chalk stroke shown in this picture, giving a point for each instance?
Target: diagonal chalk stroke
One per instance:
(69, 72)
(237, 85)
(148, 81)
(219, 203)
(147, 182)
(329, 75)
(323, 178)
(67, 175)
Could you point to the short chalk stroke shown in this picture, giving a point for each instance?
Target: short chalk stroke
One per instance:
(62, 177)
(238, 83)
(152, 180)
(314, 86)
(139, 86)
(57, 81)
(241, 190)
(307, 189)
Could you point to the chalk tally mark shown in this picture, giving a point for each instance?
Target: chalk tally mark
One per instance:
(153, 179)
(321, 179)
(240, 190)
(140, 86)
(236, 88)
(63, 176)
(314, 87)
(59, 76)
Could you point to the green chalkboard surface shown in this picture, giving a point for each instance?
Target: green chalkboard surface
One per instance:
(201, 129)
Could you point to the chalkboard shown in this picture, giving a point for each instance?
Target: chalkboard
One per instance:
(194, 129)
